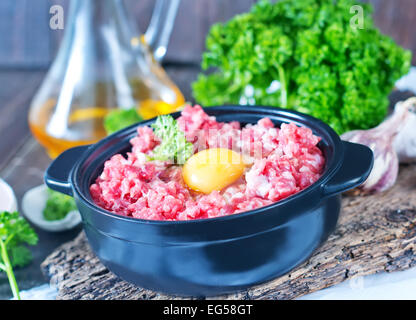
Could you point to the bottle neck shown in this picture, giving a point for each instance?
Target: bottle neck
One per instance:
(98, 12)
(92, 17)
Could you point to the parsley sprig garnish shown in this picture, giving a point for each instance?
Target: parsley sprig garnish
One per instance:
(15, 233)
(173, 146)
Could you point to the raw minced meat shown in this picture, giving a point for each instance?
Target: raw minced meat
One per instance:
(282, 161)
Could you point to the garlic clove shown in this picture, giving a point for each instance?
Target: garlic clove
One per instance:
(384, 174)
(405, 141)
(380, 140)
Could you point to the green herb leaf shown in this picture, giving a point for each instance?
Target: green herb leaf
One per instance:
(15, 232)
(174, 146)
(120, 119)
(58, 206)
(20, 256)
(303, 55)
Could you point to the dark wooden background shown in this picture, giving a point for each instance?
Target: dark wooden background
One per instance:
(26, 41)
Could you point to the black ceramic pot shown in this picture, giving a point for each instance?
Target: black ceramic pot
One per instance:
(220, 255)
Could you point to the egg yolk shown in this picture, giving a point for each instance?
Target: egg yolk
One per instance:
(213, 169)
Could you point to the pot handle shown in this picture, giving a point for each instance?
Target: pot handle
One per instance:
(57, 175)
(355, 169)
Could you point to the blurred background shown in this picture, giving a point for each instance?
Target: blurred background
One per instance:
(28, 46)
(26, 41)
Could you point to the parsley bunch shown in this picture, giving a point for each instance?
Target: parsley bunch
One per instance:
(303, 55)
(15, 233)
(174, 146)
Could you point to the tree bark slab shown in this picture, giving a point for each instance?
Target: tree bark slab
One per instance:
(375, 233)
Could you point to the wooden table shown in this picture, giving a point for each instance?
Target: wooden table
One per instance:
(23, 161)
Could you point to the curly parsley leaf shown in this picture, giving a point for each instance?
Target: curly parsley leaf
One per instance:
(174, 146)
(15, 230)
(303, 55)
(15, 233)
(20, 256)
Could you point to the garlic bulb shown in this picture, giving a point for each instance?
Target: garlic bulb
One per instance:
(380, 140)
(405, 141)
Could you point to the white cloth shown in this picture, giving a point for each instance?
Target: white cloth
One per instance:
(398, 285)
(43, 292)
